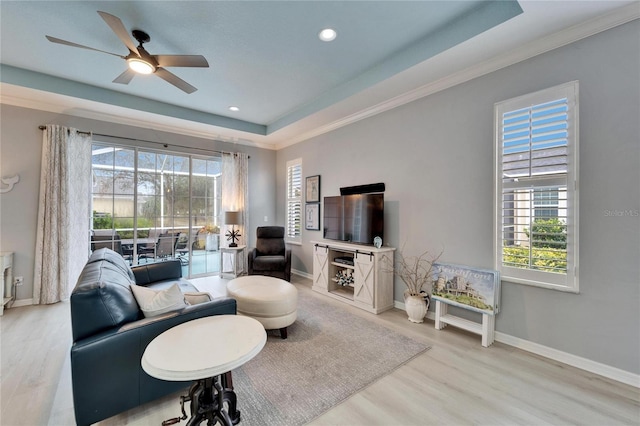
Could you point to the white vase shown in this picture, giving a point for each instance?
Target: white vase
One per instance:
(415, 306)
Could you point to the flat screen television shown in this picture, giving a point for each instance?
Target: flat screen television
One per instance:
(357, 218)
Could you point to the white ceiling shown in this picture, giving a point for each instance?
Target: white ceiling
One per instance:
(266, 59)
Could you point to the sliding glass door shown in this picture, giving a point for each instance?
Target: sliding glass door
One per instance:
(205, 215)
(151, 206)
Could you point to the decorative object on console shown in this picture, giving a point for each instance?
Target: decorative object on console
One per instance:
(10, 182)
(377, 242)
(233, 218)
(344, 277)
(415, 272)
(312, 217)
(313, 189)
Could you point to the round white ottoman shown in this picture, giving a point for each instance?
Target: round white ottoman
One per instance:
(271, 301)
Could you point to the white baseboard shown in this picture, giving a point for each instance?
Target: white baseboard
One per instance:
(570, 359)
(302, 274)
(604, 370)
(22, 302)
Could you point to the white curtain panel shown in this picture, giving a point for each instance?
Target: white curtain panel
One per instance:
(235, 192)
(62, 237)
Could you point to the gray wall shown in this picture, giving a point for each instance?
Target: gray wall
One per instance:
(20, 150)
(435, 156)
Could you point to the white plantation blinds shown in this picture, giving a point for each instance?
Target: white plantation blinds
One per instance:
(534, 140)
(536, 188)
(294, 200)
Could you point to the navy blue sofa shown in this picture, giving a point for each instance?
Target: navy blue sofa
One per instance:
(110, 334)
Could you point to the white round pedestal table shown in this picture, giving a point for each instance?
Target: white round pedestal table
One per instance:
(203, 350)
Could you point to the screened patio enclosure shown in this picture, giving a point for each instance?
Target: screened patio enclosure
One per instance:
(152, 206)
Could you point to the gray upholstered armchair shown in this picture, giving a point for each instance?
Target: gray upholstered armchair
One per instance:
(270, 256)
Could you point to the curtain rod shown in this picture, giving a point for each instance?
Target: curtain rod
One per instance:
(165, 145)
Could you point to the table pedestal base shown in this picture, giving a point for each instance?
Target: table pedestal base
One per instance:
(207, 402)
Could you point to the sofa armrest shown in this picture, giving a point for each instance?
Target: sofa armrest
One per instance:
(219, 306)
(287, 259)
(250, 256)
(159, 271)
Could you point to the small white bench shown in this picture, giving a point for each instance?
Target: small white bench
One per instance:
(486, 329)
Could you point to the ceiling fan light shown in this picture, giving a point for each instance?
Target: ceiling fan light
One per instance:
(141, 66)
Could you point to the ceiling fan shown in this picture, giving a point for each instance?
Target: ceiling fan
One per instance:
(139, 60)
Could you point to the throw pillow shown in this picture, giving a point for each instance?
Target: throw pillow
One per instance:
(157, 302)
(195, 298)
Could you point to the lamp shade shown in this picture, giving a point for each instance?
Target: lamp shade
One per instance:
(232, 218)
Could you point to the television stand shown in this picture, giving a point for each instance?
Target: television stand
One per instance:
(365, 282)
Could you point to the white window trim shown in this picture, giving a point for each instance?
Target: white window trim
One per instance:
(288, 238)
(560, 282)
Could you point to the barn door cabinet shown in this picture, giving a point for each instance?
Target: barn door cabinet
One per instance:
(354, 274)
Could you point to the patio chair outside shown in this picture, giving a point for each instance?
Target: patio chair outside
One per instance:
(166, 246)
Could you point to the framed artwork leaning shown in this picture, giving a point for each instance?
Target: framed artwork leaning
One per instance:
(467, 287)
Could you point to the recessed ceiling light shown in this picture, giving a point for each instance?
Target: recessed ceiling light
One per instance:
(327, 34)
(234, 108)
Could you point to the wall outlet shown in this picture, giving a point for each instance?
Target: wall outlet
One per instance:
(18, 281)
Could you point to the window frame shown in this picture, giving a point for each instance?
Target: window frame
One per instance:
(562, 282)
(290, 201)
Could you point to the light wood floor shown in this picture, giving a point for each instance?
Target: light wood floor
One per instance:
(457, 382)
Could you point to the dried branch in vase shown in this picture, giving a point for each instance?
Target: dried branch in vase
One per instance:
(415, 271)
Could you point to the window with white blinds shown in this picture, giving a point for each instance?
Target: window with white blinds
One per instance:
(536, 188)
(294, 200)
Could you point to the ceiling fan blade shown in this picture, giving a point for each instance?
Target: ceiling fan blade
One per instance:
(69, 43)
(182, 61)
(118, 27)
(175, 80)
(125, 77)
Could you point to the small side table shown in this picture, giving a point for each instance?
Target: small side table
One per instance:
(6, 278)
(204, 350)
(238, 256)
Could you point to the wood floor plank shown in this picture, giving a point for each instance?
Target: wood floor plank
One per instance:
(456, 382)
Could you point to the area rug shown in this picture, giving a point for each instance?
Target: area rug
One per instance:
(329, 355)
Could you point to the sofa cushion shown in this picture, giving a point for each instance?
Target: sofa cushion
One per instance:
(102, 299)
(269, 263)
(112, 257)
(159, 271)
(197, 297)
(156, 302)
